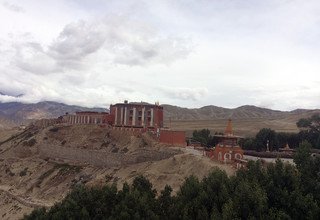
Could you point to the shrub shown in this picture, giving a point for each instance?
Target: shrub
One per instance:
(23, 172)
(54, 129)
(30, 142)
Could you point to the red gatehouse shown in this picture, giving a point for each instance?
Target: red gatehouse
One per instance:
(227, 150)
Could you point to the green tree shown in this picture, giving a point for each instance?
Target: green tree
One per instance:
(166, 203)
(312, 123)
(266, 136)
(203, 136)
(309, 167)
(310, 130)
(249, 201)
(247, 144)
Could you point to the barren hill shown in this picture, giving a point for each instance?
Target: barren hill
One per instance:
(39, 166)
(214, 112)
(15, 113)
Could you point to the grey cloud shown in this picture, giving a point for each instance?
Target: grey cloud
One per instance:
(153, 50)
(77, 40)
(32, 58)
(128, 42)
(12, 7)
(116, 39)
(193, 94)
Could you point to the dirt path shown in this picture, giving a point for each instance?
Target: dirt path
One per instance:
(26, 201)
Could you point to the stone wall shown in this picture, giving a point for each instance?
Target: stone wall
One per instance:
(100, 158)
(173, 137)
(43, 123)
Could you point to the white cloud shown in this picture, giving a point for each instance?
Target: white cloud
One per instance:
(189, 94)
(31, 57)
(12, 7)
(124, 42)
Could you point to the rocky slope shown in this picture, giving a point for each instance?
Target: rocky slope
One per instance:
(39, 166)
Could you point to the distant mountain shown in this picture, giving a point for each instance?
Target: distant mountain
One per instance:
(212, 112)
(15, 113)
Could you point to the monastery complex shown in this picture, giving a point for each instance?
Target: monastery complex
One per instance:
(141, 117)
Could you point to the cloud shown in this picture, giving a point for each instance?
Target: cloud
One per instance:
(76, 41)
(31, 57)
(116, 39)
(184, 93)
(12, 7)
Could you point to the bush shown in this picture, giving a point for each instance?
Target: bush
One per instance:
(54, 129)
(8, 171)
(30, 142)
(23, 172)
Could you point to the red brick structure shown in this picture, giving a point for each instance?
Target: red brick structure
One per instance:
(88, 117)
(137, 115)
(173, 137)
(227, 150)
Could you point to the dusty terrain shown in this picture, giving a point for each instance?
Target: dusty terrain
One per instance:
(247, 120)
(244, 127)
(38, 167)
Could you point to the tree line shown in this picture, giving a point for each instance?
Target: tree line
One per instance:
(205, 138)
(272, 191)
(309, 131)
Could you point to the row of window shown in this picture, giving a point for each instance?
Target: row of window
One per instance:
(139, 112)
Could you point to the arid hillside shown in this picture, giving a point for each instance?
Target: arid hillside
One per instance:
(214, 112)
(40, 166)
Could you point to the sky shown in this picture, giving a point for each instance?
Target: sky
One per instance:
(189, 53)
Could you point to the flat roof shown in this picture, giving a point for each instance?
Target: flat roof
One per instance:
(137, 104)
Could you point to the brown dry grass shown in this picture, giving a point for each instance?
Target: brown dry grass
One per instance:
(244, 127)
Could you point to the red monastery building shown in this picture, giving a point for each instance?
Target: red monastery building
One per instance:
(137, 115)
(227, 150)
(134, 116)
